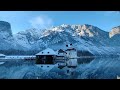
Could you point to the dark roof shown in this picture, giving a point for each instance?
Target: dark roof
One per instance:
(60, 56)
(70, 49)
(61, 51)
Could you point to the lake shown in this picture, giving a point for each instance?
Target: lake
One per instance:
(88, 68)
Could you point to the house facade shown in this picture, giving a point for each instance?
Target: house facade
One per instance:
(46, 56)
(71, 55)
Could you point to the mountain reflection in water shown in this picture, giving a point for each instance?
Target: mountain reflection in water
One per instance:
(88, 68)
(85, 60)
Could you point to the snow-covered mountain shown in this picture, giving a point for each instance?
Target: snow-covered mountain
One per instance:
(115, 36)
(83, 37)
(7, 41)
(5, 30)
(114, 31)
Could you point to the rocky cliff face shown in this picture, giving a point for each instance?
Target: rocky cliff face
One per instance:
(115, 36)
(5, 30)
(7, 41)
(83, 37)
(114, 31)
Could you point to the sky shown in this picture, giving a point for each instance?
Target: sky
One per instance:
(23, 20)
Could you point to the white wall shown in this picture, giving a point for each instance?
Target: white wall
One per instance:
(72, 54)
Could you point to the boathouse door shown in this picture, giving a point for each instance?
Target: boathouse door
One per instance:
(44, 59)
(49, 59)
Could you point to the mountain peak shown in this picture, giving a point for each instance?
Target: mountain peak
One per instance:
(114, 31)
(83, 36)
(5, 29)
(87, 25)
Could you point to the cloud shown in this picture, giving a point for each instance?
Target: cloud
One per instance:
(41, 22)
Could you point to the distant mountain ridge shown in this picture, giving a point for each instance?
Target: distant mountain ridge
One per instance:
(83, 37)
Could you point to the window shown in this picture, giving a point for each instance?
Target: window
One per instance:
(67, 71)
(72, 73)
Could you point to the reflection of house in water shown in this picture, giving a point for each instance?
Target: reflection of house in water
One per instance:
(61, 58)
(46, 59)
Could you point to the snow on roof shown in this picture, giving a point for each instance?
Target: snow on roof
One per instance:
(47, 51)
(2, 55)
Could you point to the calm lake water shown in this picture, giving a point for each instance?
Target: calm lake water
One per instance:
(90, 68)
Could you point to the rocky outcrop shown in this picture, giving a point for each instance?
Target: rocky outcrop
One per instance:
(114, 31)
(5, 30)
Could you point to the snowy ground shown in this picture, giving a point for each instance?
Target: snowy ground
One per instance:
(99, 68)
(17, 57)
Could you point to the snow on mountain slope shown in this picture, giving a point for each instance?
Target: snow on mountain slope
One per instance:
(114, 31)
(83, 37)
(28, 38)
(115, 36)
(6, 39)
(5, 29)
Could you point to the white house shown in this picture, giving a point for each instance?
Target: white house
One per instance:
(45, 59)
(61, 56)
(71, 52)
(46, 56)
(2, 56)
(62, 52)
(71, 55)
